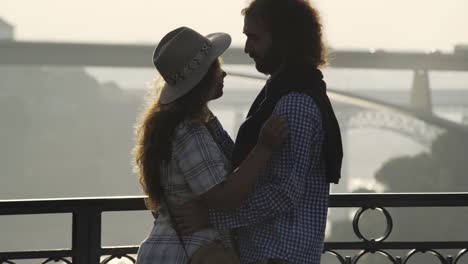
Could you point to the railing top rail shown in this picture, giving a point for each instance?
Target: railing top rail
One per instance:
(139, 55)
(442, 199)
(70, 205)
(130, 203)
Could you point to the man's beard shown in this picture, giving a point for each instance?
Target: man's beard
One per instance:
(270, 62)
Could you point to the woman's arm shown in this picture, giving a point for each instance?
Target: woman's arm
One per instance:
(235, 188)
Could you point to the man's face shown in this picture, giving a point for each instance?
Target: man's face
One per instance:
(259, 46)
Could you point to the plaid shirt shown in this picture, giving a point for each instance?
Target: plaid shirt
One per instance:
(198, 163)
(285, 216)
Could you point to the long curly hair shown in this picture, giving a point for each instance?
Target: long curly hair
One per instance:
(155, 130)
(295, 27)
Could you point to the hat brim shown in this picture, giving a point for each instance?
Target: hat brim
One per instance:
(220, 43)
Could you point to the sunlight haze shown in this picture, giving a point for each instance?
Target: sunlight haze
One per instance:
(361, 24)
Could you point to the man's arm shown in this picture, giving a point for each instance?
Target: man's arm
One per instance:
(288, 168)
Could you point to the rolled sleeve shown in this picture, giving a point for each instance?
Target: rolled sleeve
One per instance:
(200, 159)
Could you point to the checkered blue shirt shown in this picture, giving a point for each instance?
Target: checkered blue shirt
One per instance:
(285, 216)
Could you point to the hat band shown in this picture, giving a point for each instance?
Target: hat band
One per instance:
(191, 66)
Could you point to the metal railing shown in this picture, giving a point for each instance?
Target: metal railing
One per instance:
(86, 212)
(86, 232)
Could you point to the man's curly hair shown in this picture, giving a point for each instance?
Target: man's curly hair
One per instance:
(295, 28)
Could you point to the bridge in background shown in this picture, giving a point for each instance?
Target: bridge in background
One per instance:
(86, 221)
(87, 247)
(106, 55)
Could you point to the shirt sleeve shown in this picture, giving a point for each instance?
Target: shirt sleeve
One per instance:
(199, 159)
(287, 170)
(224, 140)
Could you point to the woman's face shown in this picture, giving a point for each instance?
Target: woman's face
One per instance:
(218, 83)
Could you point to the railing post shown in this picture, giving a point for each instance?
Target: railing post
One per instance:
(398, 260)
(86, 236)
(449, 259)
(421, 92)
(465, 116)
(348, 260)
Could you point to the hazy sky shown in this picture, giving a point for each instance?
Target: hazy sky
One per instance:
(395, 24)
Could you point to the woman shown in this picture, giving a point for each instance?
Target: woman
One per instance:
(182, 151)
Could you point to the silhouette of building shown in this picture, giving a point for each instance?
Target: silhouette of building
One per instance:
(7, 31)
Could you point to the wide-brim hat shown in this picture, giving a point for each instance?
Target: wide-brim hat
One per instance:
(183, 57)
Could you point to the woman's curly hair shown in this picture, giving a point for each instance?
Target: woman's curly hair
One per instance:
(155, 129)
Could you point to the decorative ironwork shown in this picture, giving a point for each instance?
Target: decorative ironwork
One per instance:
(87, 212)
(382, 252)
(57, 260)
(397, 259)
(460, 255)
(378, 245)
(49, 260)
(109, 258)
(388, 228)
(340, 258)
(433, 252)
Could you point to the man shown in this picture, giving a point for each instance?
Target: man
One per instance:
(283, 220)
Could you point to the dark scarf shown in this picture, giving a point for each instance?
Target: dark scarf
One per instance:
(299, 78)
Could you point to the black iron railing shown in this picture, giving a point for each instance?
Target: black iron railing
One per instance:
(86, 232)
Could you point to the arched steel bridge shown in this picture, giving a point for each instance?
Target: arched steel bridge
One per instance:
(420, 125)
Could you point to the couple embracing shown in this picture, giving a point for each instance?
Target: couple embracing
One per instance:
(263, 198)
